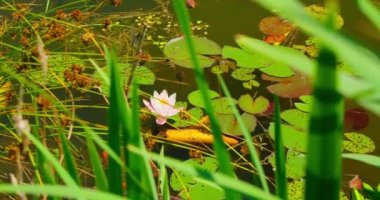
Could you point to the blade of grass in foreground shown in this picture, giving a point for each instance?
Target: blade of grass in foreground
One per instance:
(364, 158)
(324, 162)
(281, 182)
(114, 169)
(247, 136)
(69, 159)
(163, 179)
(218, 145)
(59, 191)
(96, 165)
(371, 11)
(223, 180)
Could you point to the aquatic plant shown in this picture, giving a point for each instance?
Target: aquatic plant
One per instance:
(162, 105)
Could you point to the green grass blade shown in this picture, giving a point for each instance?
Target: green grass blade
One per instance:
(364, 158)
(144, 187)
(65, 176)
(281, 182)
(163, 179)
(223, 180)
(218, 145)
(324, 162)
(96, 165)
(371, 11)
(247, 136)
(59, 191)
(69, 159)
(114, 169)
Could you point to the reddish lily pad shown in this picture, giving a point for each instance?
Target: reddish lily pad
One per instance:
(275, 26)
(356, 118)
(253, 106)
(292, 87)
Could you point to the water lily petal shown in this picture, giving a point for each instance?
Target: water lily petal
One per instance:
(161, 120)
(164, 95)
(171, 112)
(149, 106)
(172, 99)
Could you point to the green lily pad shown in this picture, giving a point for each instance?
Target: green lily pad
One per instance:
(259, 105)
(250, 84)
(177, 182)
(229, 125)
(278, 69)
(195, 97)
(296, 118)
(306, 105)
(244, 58)
(198, 191)
(292, 138)
(358, 143)
(220, 69)
(222, 105)
(243, 74)
(183, 120)
(296, 191)
(177, 52)
(295, 164)
(57, 65)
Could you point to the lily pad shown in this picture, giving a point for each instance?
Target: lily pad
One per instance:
(229, 125)
(187, 119)
(275, 26)
(291, 87)
(177, 182)
(57, 65)
(177, 52)
(292, 138)
(356, 118)
(245, 59)
(195, 97)
(278, 69)
(198, 191)
(259, 105)
(250, 84)
(296, 118)
(295, 164)
(306, 105)
(296, 191)
(222, 105)
(243, 74)
(358, 143)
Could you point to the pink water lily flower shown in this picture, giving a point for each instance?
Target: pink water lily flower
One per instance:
(162, 105)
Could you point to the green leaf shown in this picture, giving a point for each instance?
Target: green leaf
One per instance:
(178, 179)
(306, 105)
(183, 120)
(259, 105)
(293, 139)
(296, 191)
(365, 158)
(243, 74)
(278, 69)
(96, 165)
(296, 118)
(245, 59)
(198, 191)
(222, 106)
(195, 97)
(251, 83)
(295, 164)
(176, 50)
(358, 143)
(229, 125)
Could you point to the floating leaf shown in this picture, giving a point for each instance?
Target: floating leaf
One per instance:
(220, 69)
(356, 118)
(195, 97)
(177, 182)
(176, 50)
(199, 190)
(278, 69)
(292, 87)
(358, 143)
(295, 164)
(306, 105)
(222, 105)
(296, 191)
(245, 59)
(251, 83)
(275, 26)
(189, 118)
(57, 65)
(321, 13)
(243, 74)
(292, 138)
(259, 105)
(229, 125)
(296, 118)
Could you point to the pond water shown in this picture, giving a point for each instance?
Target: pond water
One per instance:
(224, 19)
